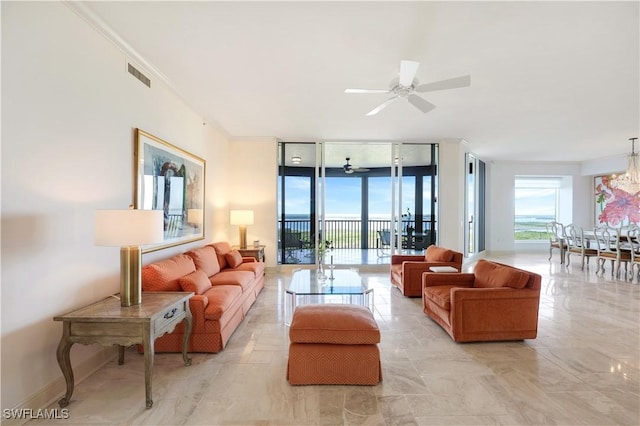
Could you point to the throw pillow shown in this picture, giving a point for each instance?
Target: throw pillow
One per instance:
(438, 254)
(234, 259)
(196, 282)
(205, 258)
(221, 249)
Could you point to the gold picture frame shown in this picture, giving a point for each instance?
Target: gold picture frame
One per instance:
(171, 179)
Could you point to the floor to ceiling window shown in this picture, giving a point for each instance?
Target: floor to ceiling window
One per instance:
(353, 194)
(297, 179)
(538, 200)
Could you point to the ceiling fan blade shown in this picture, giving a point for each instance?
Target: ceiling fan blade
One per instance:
(452, 83)
(367, 91)
(408, 70)
(382, 106)
(360, 169)
(421, 104)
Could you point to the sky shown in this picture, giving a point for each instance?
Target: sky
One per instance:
(343, 197)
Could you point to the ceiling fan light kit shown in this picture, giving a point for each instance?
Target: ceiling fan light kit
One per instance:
(405, 86)
(350, 169)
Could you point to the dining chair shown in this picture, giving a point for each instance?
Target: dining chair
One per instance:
(557, 239)
(609, 248)
(633, 238)
(578, 244)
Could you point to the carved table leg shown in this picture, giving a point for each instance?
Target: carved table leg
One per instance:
(148, 341)
(120, 354)
(185, 339)
(64, 361)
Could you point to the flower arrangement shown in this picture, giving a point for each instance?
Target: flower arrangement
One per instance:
(323, 248)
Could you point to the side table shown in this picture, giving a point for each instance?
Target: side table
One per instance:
(252, 251)
(443, 269)
(107, 323)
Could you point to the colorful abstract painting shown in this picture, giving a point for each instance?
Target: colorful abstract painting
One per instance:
(614, 206)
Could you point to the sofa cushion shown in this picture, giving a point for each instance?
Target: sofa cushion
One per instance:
(256, 268)
(164, 275)
(206, 259)
(197, 282)
(331, 323)
(220, 298)
(438, 254)
(440, 295)
(493, 275)
(244, 279)
(221, 249)
(234, 259)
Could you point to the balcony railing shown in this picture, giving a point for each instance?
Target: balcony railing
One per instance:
(348, 234)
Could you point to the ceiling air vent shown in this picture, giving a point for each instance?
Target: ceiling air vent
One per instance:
(137, 74)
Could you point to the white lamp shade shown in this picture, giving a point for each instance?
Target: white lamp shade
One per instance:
(241, 217)
(128, 227)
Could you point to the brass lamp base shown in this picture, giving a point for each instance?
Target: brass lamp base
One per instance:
(130, 276)
(243, 236)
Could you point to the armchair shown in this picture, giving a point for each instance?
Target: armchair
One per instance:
(406, 270)
(495, 302)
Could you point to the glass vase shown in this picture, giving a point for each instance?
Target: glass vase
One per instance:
(320, 272)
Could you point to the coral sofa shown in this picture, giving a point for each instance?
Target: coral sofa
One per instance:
(495, 302)
(406, 270)
(225, 286)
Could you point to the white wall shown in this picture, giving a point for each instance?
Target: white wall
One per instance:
(69, 110)
(500, 199)
(253, 186)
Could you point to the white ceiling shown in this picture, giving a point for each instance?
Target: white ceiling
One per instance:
(554, 81)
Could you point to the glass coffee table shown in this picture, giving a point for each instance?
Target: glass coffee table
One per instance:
(338, 286)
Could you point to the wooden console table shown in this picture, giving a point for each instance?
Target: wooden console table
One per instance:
(107, 323)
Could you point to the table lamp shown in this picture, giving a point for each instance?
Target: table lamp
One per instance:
(129, 229)
(242, 218)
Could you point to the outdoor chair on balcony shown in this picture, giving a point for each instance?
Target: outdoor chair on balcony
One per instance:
(293, 245)
(383, 244)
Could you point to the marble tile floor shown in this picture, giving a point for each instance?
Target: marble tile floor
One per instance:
(583, 369)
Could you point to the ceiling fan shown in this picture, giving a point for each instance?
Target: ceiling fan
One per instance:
(406, 85)
(349, 169)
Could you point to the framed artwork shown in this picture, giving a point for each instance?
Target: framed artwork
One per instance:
(170, 179)
(615, 206)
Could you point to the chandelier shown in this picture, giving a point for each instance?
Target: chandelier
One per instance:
(630, 181)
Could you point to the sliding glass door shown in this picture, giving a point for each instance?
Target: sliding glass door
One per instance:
(368, 200)
(297, 180)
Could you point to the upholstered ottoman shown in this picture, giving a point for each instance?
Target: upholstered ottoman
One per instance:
(334, 344)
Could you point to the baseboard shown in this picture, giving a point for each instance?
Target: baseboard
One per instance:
(55, 390)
